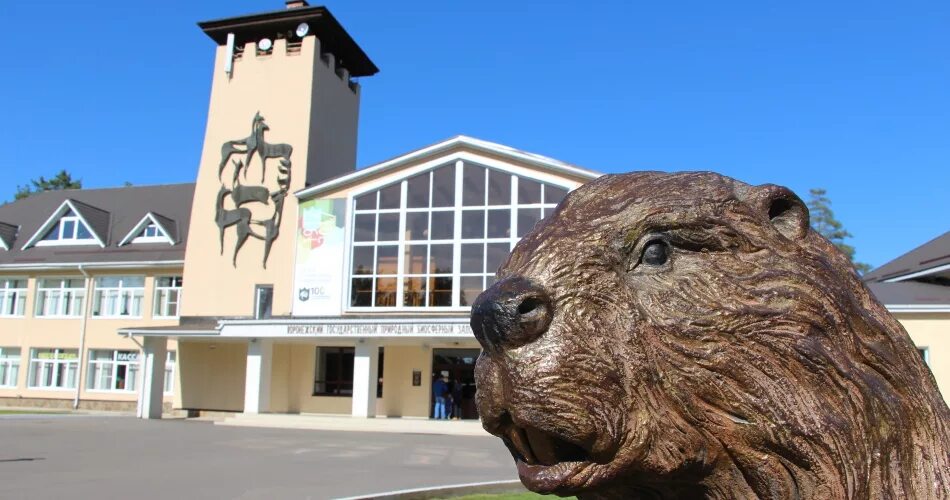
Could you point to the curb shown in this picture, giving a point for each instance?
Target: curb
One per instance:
(449, 491)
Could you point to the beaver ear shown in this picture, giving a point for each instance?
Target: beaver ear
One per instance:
(785, 210)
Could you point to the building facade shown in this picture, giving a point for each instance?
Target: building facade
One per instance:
(915, 288)
(283, 280)
(74, 267)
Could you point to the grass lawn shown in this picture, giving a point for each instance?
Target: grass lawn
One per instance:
(505, 496)
(30, 412)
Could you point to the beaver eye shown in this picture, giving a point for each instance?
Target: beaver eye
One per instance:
(655, 253)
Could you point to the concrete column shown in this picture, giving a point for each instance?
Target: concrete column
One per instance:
(260, 353)
(365, 363)
(153, 377)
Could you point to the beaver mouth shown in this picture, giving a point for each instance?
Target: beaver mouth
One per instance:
(535, 447)
(546, 461)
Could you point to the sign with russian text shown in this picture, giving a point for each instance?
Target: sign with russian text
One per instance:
(380, 330)
(324, 329)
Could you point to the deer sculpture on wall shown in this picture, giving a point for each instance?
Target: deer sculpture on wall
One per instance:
(237, 195)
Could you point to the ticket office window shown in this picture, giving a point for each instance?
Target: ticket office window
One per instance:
(112, 371)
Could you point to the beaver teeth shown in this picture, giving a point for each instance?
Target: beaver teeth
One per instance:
(519, 440)
(535, 447)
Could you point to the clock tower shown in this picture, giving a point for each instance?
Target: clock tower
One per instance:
(283, 115)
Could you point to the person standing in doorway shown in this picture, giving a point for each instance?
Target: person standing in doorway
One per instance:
(456, 399)
(439, 390)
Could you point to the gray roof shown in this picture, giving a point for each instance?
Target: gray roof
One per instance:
(934, 253)
(97, 218)
(910, 293)
(169, 225)
(8, 234)
(112, 213)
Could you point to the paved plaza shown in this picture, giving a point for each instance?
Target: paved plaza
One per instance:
(77, 456)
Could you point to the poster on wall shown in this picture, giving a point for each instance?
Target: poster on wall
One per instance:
(318, 270)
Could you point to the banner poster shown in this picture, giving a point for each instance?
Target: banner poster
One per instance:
(318, 270)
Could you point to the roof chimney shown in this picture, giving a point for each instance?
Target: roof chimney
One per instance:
(296, 4)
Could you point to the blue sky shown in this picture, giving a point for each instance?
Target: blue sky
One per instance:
(853, 97)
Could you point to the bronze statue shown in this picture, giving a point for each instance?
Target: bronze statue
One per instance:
(689, 336)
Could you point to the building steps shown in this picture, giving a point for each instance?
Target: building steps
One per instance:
(356, 424)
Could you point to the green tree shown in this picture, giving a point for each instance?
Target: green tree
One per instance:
(823, 221)
(62, 180)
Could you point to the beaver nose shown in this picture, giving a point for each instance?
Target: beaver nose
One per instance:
(510, 313)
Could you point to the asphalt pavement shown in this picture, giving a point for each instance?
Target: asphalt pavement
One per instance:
(80, 456)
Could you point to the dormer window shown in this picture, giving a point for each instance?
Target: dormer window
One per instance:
(152, 228)
(73, 223)
(69, 228)
(151, 233)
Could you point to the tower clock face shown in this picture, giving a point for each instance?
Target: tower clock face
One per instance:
(303, 29)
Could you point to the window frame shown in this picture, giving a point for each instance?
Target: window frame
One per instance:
(138, 233)
(61, 238)
(19, 294)
(122, 291)
(457, 209)
(55, 362)
(171, 364)
(67, 298)
(133, 369)
(11, 367)
(340, 351)
(160, 303)
(924, 352)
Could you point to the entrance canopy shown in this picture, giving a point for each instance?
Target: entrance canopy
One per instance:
(391, 328)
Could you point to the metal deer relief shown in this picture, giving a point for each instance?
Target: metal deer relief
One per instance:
(254, 210)
(689, 336)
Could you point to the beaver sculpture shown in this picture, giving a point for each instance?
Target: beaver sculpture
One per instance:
(689, 336)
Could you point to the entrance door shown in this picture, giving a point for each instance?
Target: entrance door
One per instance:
(457, 365)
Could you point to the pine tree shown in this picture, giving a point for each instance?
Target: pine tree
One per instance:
(62, 181)
(823, 221)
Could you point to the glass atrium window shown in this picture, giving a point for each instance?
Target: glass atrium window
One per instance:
(417, 244)
(60, 297)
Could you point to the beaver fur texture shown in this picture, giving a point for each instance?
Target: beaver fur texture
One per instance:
(689, 336)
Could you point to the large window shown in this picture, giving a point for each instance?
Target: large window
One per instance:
(436, 239)
(170, 362)
(118, 296)
(9, 366)
(60, 297)
(167, 296)
(53, 368)
(12, 297)
(333, 372)
(112, 371)
(68, 229)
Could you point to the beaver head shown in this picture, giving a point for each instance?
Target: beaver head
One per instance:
(688, 335)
